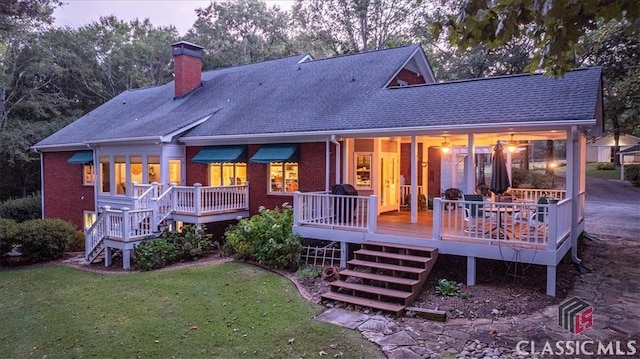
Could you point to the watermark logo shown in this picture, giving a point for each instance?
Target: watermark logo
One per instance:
(575, 315)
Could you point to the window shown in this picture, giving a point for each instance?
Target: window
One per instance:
(153, 164)
(175, 171)
(283, 177)
(227, 174)
(89, 176)
(120, 170)
(363, 170)
(89, 218)
(105, 175)
(136, 169)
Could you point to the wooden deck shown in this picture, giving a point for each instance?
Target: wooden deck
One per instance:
(399, 224)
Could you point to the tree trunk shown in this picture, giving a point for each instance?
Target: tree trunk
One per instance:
(550, 164)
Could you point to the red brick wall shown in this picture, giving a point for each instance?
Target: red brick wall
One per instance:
(188, 73)
(409, 76)
(64, 195)
(196, 172)
(405, 162)
(433, 171)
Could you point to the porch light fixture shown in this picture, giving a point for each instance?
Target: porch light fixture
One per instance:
(512, 145)
(446, 146)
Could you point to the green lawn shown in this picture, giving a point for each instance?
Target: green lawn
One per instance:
(228, 310)
(606, 174)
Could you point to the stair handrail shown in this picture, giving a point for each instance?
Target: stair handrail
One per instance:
(163, 205)
(143, 201)
(94, 235)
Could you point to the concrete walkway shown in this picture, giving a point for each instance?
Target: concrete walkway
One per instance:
(612, 289)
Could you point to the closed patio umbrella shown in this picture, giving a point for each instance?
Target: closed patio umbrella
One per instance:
(499, 176)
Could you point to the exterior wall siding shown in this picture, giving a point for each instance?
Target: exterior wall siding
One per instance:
(410, 77)
(434, 172)
(405, 162)
(64, 195)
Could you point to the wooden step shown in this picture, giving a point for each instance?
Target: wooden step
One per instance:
(379, 277)
(391, 255)
(393, 293)
(398, 246)
(365, 302)
(392, 267)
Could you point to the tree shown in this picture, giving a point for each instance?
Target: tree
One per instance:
(240, 32)
(612, 47)
(555, 26)
(350, 26)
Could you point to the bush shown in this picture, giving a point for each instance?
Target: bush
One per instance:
(76, 244)
(42, 240)
(632, 173)
(267, 238)
(605, 166)
(8, 229)
(519, 176)
(22, 209)
(309, 272)
(171, 247)
(154, 253)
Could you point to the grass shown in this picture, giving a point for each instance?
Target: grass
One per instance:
(604, 174)
(228, 310)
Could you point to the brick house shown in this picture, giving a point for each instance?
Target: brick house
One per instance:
(212, 146)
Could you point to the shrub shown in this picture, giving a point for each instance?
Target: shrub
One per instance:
(42, 240)
(605, 166)
(22, 209)
(422, 201)
(267, 238)
(154, 253)
(171, 247)
(519, 176)
(8, 229)
(449, 288)
(309, 272)
(632, 173)
(76, 244)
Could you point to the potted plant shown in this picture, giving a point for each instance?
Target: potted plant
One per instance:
(483, 189)
(452, 194)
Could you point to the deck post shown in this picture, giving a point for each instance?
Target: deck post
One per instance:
(246, 195)
(551, 281)
(344, 254)
(437, 218)
(373, 213)
(553, 226)
(197, 198)
(126, 224)
(297, 208)
(471, 271)
(107, 257)
(126, 258)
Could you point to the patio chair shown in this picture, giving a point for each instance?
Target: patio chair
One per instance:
(474, 214)
(534, 220)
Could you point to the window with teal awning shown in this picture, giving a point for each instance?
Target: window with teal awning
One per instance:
(277, 153)
(221, 154)
(81, 158)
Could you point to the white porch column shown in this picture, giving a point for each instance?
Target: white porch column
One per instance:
(414, 180)
(572, 184)
(108, 257)
(327, 165)
(470, 175)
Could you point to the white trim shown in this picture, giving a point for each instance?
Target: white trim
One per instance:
(169, 137)
(306, 58)
(65, 147)
(318, 136)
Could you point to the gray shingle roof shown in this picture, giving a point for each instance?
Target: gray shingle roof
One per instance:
(336, 94)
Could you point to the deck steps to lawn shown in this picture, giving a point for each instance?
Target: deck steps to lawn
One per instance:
(383, 276)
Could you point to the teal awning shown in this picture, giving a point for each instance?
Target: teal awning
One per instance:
(81, 158)
(216, 154)
(276, 153)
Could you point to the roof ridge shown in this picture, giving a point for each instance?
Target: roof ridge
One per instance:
(363, 53)
(477, 79)
(301, 56)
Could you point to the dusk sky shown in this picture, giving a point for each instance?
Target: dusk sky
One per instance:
(180, 13)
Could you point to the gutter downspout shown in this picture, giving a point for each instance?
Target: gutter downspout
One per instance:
(338, 151)
(574, 170)
(41, 182)
(327, 165)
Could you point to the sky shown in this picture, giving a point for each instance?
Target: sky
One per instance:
(180, 13)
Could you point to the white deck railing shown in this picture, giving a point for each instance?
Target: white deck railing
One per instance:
(533, 194)
(127, 225)
(94, 235)
(544, 225)
(201, 200)
(336, 211)
(406, 190)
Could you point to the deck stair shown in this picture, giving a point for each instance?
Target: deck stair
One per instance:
(383, 276)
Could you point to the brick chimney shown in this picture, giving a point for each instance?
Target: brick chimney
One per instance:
(187, 67)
